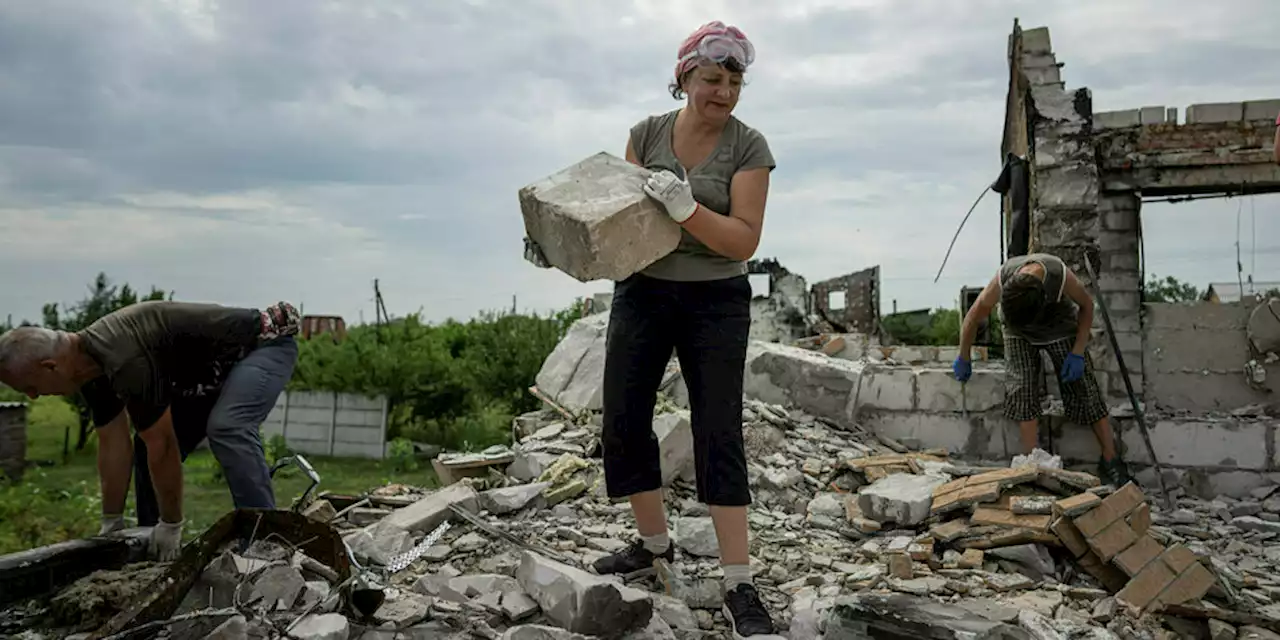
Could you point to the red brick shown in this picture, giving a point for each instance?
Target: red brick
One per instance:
(1111, 541)
(1144, 588)
(1114, 507)
(1070, 537)
(1192, 584)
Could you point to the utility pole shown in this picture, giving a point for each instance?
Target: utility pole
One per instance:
(513, 304)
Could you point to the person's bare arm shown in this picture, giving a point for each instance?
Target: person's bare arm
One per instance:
(1075, 290)
(165, 463)
(737, 235)
(980, 310)
(115, 463)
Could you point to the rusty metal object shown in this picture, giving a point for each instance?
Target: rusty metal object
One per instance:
(37, 572)
(318, 540)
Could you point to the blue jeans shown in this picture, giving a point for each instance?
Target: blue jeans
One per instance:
(230, 420)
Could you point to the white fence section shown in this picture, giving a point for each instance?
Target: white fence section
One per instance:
(325, 423)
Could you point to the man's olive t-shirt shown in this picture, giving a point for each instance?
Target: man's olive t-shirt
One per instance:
(153, 352)
(740, 148)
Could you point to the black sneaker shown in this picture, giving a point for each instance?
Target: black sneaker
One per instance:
(631, 560)
(1113, 472)
(746, 613)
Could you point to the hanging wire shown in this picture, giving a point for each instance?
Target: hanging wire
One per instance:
(957, 235)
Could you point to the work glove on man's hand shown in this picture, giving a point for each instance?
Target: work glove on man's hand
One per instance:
(166, 541)
(533, 253)
(1072, 367)
(962, 368)
(674, 193)
(111, 524)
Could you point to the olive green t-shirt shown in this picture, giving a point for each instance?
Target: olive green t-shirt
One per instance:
(740, 148)
(1058, 318)
(152, 352)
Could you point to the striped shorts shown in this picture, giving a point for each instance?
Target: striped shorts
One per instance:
(1082, 399)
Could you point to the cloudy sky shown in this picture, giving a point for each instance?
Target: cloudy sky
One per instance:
(243, 151)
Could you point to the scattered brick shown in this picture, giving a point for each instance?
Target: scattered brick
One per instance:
(1191, 584)
(1076, 505)
(1141, 592)
(950, 530)
(1112, 540)
(1031, 505)
(1113, 507)
(972, 559)
(1071, 537)
(1067, 482)
(900, 566)
(1139, 555)
(1140, 519)
(998, 517)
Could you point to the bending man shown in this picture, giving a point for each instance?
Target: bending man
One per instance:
(1045, 308)
(180, 372)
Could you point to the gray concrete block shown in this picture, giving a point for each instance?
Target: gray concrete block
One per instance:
(1068, 186)
(1190, 442)
(594, 221)
(887, 387)
(1117, 119)
(938, 390)
(1262, 110)
(1036, 41)
(1120, 220)
(1171, 115)
(1152, 115)
(1043, 75)
(985, 435)
(1215, 112)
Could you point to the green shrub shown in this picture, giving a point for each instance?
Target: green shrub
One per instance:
(33, 517)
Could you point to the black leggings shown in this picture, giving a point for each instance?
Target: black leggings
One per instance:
(707, 323)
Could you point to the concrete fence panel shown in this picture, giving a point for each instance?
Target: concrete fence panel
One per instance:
(326, 423)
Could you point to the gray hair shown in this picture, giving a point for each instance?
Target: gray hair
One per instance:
(24, 345)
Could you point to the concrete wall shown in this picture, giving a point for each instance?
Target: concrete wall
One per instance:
(1195, 356)
(1248, 111)
(330, 424)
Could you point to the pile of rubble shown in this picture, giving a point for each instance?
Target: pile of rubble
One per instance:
(850, 534)
(849, 531)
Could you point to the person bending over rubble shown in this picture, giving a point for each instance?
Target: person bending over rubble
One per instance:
(1045, 308)
(180, 372)
(711, 174)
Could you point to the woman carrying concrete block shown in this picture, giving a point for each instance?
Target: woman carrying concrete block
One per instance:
(711, 174)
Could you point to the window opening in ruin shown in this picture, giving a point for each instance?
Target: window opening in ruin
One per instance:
(761, 285)
(835, 300)
(1210, 250)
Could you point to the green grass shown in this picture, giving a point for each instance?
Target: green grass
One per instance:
(61, 501)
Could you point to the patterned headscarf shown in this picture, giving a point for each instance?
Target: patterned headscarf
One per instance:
(714, 42)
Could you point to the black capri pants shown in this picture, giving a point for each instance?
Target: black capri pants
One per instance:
(707, 324)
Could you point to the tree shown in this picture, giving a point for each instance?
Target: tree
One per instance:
(1170, 289)
(103, 298)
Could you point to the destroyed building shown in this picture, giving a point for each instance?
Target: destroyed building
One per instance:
(887, 501)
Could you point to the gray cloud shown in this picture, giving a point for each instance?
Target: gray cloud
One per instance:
(243, 151)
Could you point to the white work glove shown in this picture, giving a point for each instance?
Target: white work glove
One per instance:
(166, 541)
(674, 193)
(533, 253)
(111, 524)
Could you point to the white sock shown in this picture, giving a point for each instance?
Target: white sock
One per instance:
(658, 544)
(736, 574)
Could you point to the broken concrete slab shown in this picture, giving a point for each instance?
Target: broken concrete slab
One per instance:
(429, 512)
(573, 373)
(902, 498)
(594, 221)
(325, 626)
(504, 500)
(901, 616)
(675, 445)
(582, 602)
(697, 536)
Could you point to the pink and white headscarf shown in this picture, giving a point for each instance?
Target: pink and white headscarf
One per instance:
(714, 42)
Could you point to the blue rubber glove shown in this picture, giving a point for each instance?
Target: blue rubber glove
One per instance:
(962, 368)
(1073, 367)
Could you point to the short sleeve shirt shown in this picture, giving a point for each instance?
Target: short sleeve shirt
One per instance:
(740, 148)
(153, 352)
